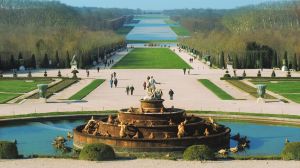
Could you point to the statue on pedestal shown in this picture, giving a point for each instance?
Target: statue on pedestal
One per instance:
(152, 92)
(73, 63)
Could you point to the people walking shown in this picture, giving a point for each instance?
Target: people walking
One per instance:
(184, 70)
(127, 90)
(171, 94)
(189, 71)
(131, 89)
(115, 74)
(116, 82)
(98, 69)
(111, 82)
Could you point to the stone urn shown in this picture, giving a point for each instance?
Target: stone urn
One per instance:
(261, 90)
(42, 90)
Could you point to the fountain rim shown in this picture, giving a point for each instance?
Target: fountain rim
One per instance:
(227, 131)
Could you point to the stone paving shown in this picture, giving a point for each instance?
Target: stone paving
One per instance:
(189, 93)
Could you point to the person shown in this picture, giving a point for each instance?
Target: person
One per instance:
(131, 89)
(145, 85)
(111, 83)
(87, 73)
(98, 69)
(115, 74)
(184, 70)
(127, 90)
(171, 94)
(116, 82)
(189, 71)
(111, 76)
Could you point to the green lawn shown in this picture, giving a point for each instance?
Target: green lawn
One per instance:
(216, 90)
(288, 89)
(124, 30)
(151, 58)
(5, 97)
(248, 89)
(87, 90)
(180, 31)
(65, 83)
(20, 86)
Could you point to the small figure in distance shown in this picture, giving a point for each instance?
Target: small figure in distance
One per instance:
(127, 90)
(171, 94)
(116, 82)
(98, 69)
(131, 89)
(184, 70)
(111, 82)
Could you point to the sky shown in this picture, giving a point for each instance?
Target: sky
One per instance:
(163, 4)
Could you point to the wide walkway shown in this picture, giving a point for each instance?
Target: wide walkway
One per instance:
(146, 163)
(189, 93)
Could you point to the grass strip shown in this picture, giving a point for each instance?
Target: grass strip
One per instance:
(87, 90)
(5, 97)
(151, 58)
(248, 89)
(65, 83)
(216, 90)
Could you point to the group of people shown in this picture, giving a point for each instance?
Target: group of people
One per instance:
(107, 63)
(188, 71)
(191, 60)
(129, 89)
(113, 80)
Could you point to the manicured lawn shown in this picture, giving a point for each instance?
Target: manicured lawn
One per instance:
(87, 90)
(124, 30)
(248, 89)
(5, 97)
(65, 83)
(151, 58)
(180, 31)
(20, 86)
(216, 90)
(288, 89)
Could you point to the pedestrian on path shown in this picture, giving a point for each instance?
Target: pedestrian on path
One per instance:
(145, 85)
(111, 82)
(115, 74)
(171, 94)
(111, 76)
(184, 70)
(131, 89)
(87, 73)
(116, 82)
(189, 71)
(98, 69)
(127, 90)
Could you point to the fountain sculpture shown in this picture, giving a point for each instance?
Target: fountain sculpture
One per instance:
(152, 127)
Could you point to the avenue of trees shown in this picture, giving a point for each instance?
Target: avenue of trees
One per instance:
(260, 36)
(47, 34)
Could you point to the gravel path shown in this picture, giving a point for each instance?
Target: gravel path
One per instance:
(145, 163)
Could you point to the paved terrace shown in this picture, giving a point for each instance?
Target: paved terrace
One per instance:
(189, 93)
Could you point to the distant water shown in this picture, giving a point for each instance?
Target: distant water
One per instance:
(36, 137)
(151, 29)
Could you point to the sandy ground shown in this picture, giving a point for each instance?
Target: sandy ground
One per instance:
(145, 163)
(189, 93)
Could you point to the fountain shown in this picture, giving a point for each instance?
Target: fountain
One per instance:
(152, 127)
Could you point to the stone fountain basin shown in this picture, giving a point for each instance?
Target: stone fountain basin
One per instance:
(219, 140)
(175, 114)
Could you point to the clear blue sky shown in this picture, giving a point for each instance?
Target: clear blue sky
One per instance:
(163, 4)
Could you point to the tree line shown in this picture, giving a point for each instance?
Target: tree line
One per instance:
(257, 36)
(47, 34)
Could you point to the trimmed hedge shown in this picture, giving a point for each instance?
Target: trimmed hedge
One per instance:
(291, 151)
(198, 152)
(97, 152)
(8, 150)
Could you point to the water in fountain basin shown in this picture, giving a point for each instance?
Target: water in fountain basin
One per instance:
(37, 137)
